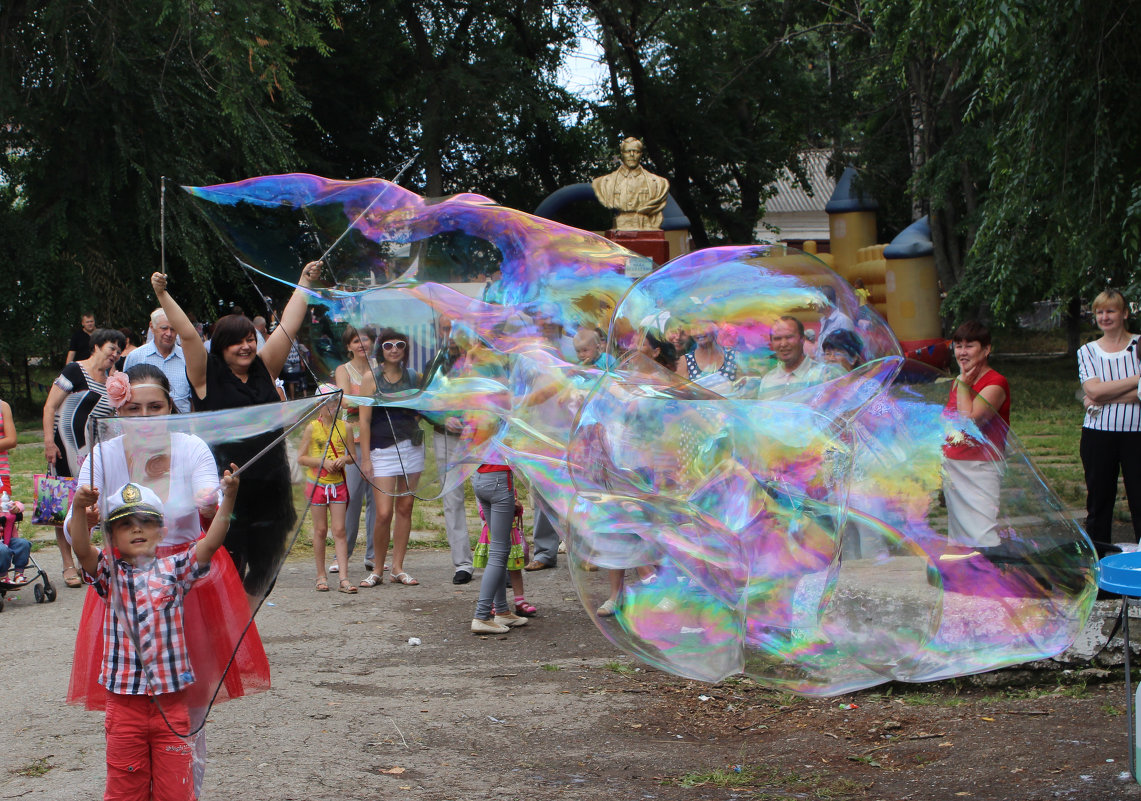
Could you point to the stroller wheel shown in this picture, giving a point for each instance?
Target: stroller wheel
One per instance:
(49, 592)
(38, 591)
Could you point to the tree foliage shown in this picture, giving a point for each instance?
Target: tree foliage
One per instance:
(98, 102)
(464, 93)
(1060, 218)
(724, 95)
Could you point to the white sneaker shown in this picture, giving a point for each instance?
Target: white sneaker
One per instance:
(562, 547)
(487, 627)
(608, 608)
(511, 619)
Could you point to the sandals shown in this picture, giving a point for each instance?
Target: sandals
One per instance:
(525, 609)
(347, 587)
(322, 584)
(403, 578)
(372, 580)
(19, 579)
(73, 581)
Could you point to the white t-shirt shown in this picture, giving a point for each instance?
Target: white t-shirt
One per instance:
(193, 474)
(1093, 362)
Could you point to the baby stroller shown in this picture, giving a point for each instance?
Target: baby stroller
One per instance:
(13, 579)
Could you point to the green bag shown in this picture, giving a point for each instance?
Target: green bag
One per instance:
(516, 557)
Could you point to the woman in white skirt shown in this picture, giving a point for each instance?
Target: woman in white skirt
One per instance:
(973, 467)
(392, 452)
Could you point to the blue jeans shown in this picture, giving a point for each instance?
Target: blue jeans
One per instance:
(496, 494)
(15, 554)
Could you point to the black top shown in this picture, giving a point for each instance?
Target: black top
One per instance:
(224, 390)
(81, 344)
(389, 424)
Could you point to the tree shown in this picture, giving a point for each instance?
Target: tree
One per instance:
(721, 94)
(463, 92)
(1061, 217)
(98, 101)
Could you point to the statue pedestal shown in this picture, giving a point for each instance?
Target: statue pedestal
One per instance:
(645, 243)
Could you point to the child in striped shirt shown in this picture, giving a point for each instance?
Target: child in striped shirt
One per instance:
(144, 646)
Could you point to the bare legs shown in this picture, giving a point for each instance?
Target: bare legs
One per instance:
(393, 518)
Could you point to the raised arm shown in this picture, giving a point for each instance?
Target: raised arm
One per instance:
(192, 348)
(85, 553)
(216, 534)
(276, 348)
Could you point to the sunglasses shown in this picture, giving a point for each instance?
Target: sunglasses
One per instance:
(394, 344)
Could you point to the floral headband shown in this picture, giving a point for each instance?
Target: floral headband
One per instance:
(119, 389)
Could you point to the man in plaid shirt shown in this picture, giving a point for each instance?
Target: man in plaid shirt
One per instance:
(144, 648)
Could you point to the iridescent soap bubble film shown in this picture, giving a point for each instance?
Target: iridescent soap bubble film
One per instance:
(720, 519)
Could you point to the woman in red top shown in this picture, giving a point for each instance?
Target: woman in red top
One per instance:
(974, 467)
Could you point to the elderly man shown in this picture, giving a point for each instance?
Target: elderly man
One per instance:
(165, 354)
(787, 342)
(448, 445)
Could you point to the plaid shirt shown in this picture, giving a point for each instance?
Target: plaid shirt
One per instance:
(152, 599)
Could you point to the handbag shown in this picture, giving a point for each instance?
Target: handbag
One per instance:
(516, 556)
(53, 498)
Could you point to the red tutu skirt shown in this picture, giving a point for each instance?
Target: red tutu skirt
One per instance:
(215, 616)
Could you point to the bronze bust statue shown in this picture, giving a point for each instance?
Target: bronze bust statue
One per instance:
(636, 195)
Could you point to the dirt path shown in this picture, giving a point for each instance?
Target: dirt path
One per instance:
(548, 711)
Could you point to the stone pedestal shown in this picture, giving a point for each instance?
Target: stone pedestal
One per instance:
(645, 243)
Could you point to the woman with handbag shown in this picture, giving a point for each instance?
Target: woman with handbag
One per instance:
(78, 392)
(392, 453)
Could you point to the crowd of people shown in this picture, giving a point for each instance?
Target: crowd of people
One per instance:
(370, 459)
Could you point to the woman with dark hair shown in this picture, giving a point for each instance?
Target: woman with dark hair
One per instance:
(392, 453)
(132, 343)
(843, 348)
(973, 467)
(226, 653)
(660, 350)
(78, 392)
(235, 374)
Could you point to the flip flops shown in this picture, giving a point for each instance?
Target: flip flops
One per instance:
(73, 581)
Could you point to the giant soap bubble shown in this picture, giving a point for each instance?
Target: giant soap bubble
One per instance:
(723, 518)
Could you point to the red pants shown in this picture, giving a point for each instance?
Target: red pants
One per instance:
(145, 759)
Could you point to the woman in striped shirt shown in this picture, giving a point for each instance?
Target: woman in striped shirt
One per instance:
(1109, 369)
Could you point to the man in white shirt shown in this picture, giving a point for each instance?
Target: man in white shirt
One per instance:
(795, 368)
(165, 354)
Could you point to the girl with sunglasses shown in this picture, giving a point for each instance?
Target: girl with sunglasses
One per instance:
(392, 453)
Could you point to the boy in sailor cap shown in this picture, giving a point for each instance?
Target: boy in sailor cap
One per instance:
(144, 647)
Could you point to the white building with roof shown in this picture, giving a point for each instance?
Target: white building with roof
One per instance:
(797, 214)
